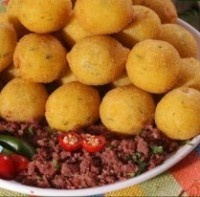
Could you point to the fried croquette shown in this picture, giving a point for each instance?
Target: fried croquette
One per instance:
(44, 16)
(127, 110)
(104, 16)
(189, 73)
(97, 60)
(146, 25)
(178, 113)
(66, 77)
(180, 38)
(73, 105)
(153, 66)
(8, 40)
(23, 101)
(73, 31)
(165, 9)
(40, 58)
(12, 17)
(122, 80)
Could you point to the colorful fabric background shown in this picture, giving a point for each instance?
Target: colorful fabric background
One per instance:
(184, 178)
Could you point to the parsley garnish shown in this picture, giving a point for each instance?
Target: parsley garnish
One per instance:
(157, 149)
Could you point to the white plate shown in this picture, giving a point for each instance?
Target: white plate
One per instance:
(172, 160)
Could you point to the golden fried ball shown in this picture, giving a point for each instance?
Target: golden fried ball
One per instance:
(104, 16)
(127, 109)
(71, 106)
(97, 60)
(165, 9)
(8, 40)
(12, 17)
(73, 31)
(178, 113)
(44, 16)
(180, 38)
(66, 77)
(40, 58)
(189, 73)
(23, 101)
(122, 80)
(146, 25)
(153, 66)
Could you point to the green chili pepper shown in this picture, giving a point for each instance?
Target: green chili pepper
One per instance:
(17, 145)
(5, 151)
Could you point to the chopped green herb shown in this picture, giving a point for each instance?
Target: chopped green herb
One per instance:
(30, 131)
(157, 149)
(137, 158)
(48, 57)
(139, 56)
(32, 49)
(56, 164)
(141, 167)
(6, 54)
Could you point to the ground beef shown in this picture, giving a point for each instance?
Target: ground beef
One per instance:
(122, 158)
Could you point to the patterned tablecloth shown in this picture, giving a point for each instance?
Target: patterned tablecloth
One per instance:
(184, 178)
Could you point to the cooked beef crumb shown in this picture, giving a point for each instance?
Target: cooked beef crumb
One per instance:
(122, 158)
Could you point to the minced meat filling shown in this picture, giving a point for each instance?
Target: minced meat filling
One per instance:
(122, 158)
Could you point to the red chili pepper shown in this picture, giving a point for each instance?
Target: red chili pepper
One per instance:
(70, 141)
(7, 167)
(92, 143)
(20, 162)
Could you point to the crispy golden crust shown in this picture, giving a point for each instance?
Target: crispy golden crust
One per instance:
(72, 105)
(104, 16)
(40, 58)
(178, 113)
(73, 31)
(153, 66)
(180, 38)
(12, 17)
(189, 73)
(8, 40)
(146, 25)
(127, 109)
(44, 16)
(23, 101)
(165, 9)
(97, 60)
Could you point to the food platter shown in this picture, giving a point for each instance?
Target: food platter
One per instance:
(171, 161)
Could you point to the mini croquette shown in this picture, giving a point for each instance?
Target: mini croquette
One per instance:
(66, 77)
(40, 58)
(97, 60)
(180, 38)
(44, 16)
(73, 105)
(73, 31)
(11, 15)
(22, 101)
(146, 25)
(153, 66)
(8, 40)
(127, 109)
(178, 113)
(165, 9)
(122, 80)
(104, 16)
(189, 73)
